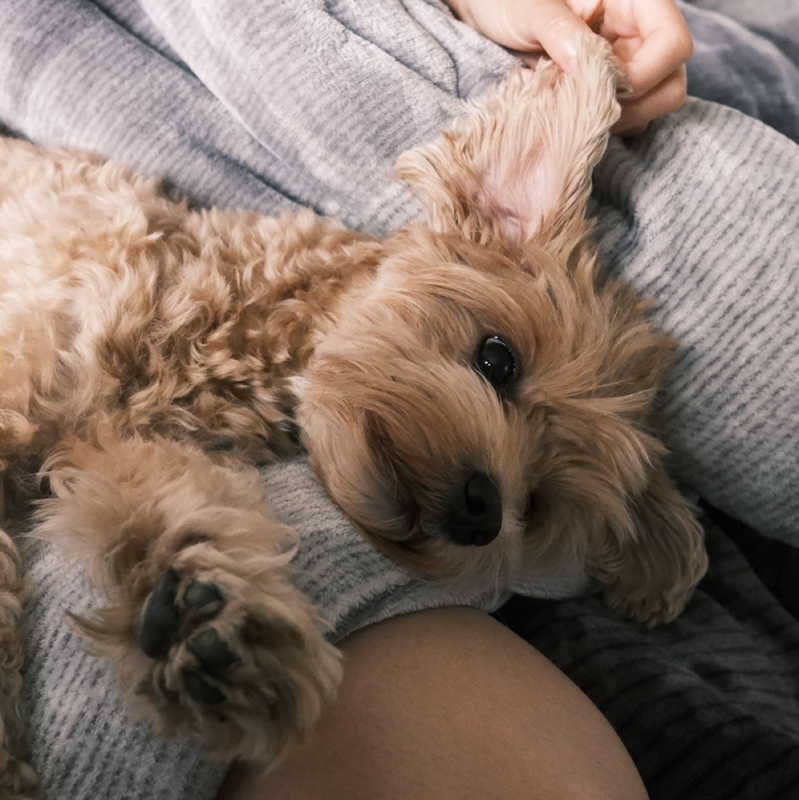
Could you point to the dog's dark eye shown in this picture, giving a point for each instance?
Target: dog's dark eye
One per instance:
(495, 361)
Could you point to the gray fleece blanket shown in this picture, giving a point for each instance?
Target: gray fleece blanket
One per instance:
(273, 105)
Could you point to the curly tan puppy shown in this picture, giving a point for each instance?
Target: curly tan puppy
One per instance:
(470, 391)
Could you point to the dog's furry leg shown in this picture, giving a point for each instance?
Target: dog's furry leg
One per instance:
(207, 631)
(17, 779)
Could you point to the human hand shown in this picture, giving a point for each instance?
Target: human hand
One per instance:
(649, 37)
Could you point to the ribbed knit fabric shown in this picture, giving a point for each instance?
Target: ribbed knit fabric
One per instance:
(670, 212)
(270, 105)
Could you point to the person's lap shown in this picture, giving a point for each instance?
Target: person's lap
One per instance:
(743, 458)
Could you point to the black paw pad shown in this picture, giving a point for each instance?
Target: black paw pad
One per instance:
(201, 691)
(213, 652)
(203, 598)
(161, 617)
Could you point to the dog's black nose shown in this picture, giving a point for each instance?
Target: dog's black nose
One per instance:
(474, 516)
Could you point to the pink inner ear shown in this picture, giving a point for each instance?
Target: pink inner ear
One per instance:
(520, 193)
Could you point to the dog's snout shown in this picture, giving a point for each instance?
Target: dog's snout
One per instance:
(474, 516)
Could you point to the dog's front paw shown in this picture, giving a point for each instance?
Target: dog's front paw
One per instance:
(185, 617)
(244, 665)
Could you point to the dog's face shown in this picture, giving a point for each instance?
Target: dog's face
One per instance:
(482, 407)
(477, 417)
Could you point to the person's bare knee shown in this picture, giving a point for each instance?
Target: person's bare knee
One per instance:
(450, 704)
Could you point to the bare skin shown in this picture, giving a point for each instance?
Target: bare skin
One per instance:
(451, 705)
(649, 37)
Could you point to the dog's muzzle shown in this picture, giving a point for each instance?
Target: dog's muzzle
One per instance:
(474, 514)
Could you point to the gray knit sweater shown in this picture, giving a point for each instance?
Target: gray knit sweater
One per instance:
(271, 105)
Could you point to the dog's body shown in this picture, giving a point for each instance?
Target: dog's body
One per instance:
(469, 391)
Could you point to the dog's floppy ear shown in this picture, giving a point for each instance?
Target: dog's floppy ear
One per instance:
(518, 164)
(650, 573)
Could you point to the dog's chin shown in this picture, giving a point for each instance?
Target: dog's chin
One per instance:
(428, 554)
(407, 526)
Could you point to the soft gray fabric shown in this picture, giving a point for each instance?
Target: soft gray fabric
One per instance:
(273, 104)
(754, 68)
(672, 206)
(774, 20)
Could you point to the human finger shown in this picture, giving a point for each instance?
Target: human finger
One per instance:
(668, 96)
(651, 39)
(527, 26)
(559, 31)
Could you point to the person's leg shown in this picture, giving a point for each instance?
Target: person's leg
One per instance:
(448, 703)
